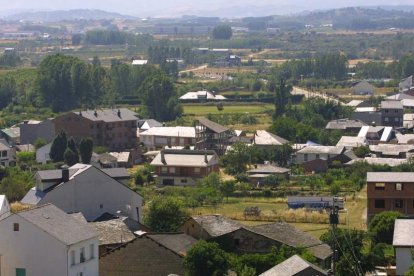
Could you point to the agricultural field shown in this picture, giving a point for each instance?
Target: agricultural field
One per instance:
(202, 110)
(275, 209)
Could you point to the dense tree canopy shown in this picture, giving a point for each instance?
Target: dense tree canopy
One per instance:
(165, 215)
(381, 226)
(222, 32)
(206, 259)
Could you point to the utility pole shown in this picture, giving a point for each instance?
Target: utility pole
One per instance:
(333, 221)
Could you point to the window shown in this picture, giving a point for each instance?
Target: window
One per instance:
(398, 186)
(317, 156)
(399, 203)
(20, 271)
(101, 206)
(379, 203)
(305, 157)
(172, 170)
(4, 153)
(396, 119)
(184, 180)
(82, 255)
(164, 169)
(16, 227)
(72, 257)
(196, 170)
(92, 250)
(380, 186)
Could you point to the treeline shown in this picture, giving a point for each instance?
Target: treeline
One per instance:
(377, 70)
(105, 37)
(324, 66)
(65, 83)
(10, 59)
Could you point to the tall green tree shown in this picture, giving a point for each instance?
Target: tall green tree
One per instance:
(165, 214)
(70, 157)
(282, 94)
(58, 147)
(85, 150)
(74, 148)
(161, 102)
(206, 259)
(381, 227)
(222, 32)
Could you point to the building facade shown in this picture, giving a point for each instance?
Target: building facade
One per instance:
(184, 167)
(390, 191)
(113, 129)
(47, 241)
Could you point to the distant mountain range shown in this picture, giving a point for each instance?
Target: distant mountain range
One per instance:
(53, 16)
(334, 15)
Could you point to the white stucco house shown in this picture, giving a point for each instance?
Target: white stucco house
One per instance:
(311, 153)
(42, 154)
(4, 207)
(46, 241)
(403, 243)
(85, 189)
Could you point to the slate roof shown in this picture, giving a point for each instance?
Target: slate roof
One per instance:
(352, 141)
(217, 225)
(150, 122)
(185, 158)
(178, 131)
(391, 105)
(113, 231)
(179, 243)
(390, 177)
(268, 169)
(403, 233)
(117, 172)
(141, 257)
(391, 149)
(58, 224)
(291, 236)
(262, 137)
(295, 265)
(49, 175)
(217, 128)
(33, 196)
(121, 156)
(343, 124)
(108, 115)
(400, 96)
(322, 149)
(392, 162)
(13, 132)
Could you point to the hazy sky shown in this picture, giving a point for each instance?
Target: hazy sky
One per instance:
(178, 7)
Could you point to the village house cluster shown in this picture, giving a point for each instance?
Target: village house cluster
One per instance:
(81, 228)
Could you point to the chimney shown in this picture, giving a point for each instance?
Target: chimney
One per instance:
(65, 173)
(95, 113)
(205, 156)
(119, 113)
(163, 157)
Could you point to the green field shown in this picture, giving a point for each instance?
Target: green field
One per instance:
(202, 110)
(352, 217)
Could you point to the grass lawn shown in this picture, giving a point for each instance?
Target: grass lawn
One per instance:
(202, 110)
(271, 208)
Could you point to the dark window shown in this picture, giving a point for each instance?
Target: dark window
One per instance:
(15, 227)
(379, 203)
(236, 242)
(399, 203)
(101, 206)
(317, 156)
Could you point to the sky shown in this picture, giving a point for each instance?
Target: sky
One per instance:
(179, 7)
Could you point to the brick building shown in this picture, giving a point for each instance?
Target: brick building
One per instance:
(115, 129)
(390, 191)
